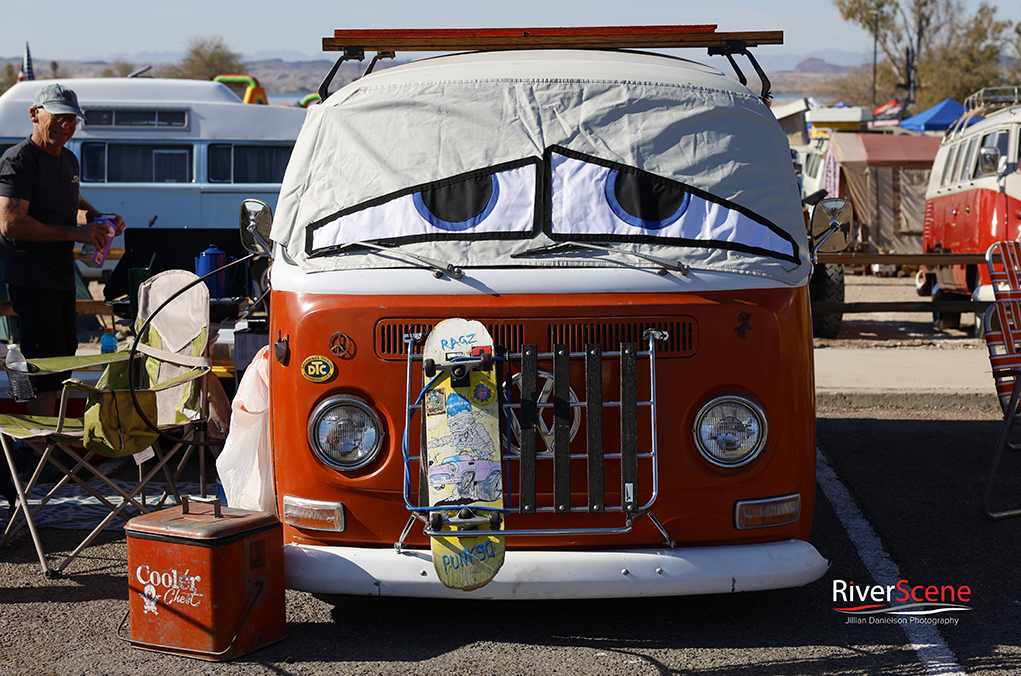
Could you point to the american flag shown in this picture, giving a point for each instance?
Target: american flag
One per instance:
(26, 72)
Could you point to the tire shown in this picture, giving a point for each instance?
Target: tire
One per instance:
(827, 285)
(943, 321)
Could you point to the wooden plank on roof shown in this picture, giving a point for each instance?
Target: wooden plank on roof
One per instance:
(591, 37)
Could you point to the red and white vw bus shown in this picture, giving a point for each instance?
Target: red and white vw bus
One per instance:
(974, 195)
(638, 206)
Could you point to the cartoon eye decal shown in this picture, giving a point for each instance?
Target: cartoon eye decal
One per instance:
(642, 202)
(494, 202)
(460, 205)
(595, 199)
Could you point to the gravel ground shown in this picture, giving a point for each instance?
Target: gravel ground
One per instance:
(895, 329)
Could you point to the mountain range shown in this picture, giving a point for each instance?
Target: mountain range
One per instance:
(291, 72)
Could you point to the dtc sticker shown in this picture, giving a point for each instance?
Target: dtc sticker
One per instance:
(317, 368)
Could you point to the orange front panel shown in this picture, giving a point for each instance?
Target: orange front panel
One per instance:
(753, 343)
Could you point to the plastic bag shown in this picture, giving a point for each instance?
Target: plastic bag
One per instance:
(245, 465)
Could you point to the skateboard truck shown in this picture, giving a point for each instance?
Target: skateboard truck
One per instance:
(460, 368)
(465, 519)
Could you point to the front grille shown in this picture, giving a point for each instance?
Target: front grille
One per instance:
(576, 333)
(681, 341)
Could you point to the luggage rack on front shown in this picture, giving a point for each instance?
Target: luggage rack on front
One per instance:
(523, 420)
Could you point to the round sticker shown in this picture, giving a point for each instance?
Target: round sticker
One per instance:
(317, 368)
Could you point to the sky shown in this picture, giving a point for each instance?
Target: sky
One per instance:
(77, 30)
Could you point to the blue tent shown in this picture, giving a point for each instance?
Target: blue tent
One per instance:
(937, 118)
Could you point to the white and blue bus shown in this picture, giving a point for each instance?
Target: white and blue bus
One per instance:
(168, 154)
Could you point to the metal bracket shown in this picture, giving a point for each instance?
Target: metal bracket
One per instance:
(377, 57)
(399, 545)
(741, 47)
(666, 536)
(350, 54)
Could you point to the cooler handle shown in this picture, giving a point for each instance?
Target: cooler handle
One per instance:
(259, 584)
(215, 502)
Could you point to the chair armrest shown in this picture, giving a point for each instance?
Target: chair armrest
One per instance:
(48, 365)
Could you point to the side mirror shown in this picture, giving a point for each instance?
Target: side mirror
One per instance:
(831, 225)
(988, 160)
(256, 223)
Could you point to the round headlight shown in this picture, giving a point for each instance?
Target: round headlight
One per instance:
(344, 432)
(730, 431)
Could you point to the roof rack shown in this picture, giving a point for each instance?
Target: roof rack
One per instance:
(989, 97)
(386, 42)
(980, 104)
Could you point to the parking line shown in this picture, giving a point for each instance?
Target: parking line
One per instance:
(924, 639)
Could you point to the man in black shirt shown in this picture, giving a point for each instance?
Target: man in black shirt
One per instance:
(42, 215)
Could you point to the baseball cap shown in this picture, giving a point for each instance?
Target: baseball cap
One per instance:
(59, 100)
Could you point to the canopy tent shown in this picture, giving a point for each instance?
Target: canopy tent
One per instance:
(885, 176)
(937, 118)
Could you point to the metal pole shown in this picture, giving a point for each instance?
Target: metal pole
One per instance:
(875, 55)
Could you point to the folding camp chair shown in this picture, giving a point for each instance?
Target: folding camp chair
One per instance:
(1003, 260)
(1003, 339)
(166, 375)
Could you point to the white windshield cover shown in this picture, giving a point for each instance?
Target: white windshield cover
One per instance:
(480, 172)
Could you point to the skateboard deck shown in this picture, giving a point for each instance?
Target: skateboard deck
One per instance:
(465, 478)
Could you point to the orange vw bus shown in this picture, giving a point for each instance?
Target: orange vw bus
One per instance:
(573, 196)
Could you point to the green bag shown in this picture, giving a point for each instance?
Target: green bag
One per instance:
(113, 426)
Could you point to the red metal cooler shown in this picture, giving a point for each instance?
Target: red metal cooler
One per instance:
(205, 581)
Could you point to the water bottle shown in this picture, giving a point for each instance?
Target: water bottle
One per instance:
(108, 343)
(21, 385)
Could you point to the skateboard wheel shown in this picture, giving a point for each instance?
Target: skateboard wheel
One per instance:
(435, 521)
(487, 361)
(430, 368)
(495, 519)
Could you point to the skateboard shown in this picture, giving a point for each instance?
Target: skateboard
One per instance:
(465, 478)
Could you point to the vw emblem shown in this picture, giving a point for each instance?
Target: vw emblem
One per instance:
(544, 395)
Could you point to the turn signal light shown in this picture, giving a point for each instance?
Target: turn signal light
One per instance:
(767, 512)
(313, 514)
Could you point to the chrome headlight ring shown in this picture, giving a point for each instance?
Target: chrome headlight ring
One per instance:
(730, 431)
(345, 432)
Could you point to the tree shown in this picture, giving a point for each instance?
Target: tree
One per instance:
(9, 78)
(118, 68)
(207, 58)
(970, 59)
(932, 49)
(904, 30)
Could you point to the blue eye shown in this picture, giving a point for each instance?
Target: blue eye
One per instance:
(461, 205)
(643, 203)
